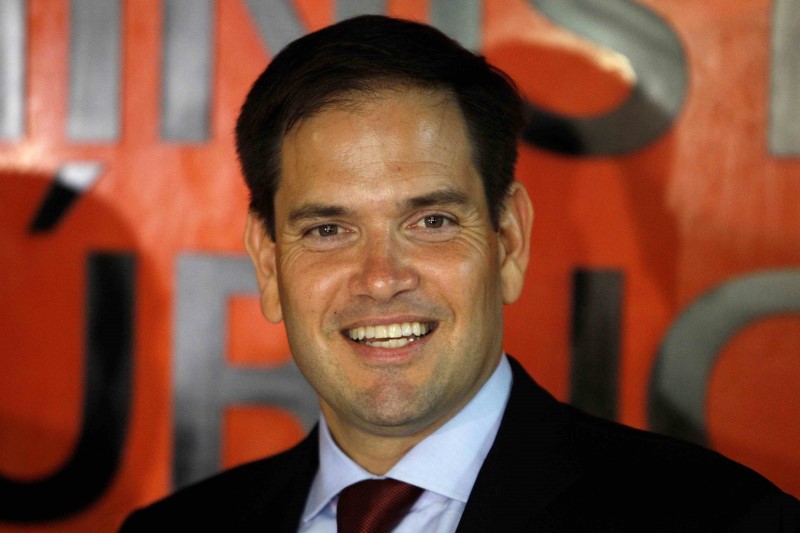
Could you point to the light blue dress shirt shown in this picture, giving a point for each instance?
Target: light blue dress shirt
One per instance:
(445, 464)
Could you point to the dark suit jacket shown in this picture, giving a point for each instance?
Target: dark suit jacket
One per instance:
(552, 468)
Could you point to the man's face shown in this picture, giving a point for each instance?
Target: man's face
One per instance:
(385, 269)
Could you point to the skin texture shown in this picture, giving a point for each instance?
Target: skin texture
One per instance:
(381, 218)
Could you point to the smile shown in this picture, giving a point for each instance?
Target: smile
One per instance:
(390, 335)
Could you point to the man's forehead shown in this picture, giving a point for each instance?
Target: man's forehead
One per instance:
(394, 152)
(401, 129)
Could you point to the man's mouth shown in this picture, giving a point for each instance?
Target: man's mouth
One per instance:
(390, 335)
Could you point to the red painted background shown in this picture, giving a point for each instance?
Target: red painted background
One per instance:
(704, 203)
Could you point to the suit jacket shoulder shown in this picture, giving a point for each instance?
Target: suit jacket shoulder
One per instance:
(635, 480)
(265, 495)
(552, 468)
(555, 468)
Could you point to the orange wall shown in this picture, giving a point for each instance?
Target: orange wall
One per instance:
(700, 206)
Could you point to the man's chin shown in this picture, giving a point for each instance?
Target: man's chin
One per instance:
(398, 412)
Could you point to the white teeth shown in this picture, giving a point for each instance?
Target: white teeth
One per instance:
(391, 343)
(404, 332)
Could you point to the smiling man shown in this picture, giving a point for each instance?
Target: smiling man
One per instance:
(386, 267)
(387, 233)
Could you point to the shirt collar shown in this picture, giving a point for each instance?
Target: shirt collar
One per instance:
(446, 462)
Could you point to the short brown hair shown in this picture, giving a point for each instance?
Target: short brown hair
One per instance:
(366, 54)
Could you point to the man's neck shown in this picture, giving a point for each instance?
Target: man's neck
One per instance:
(376, 452)
(377, 455)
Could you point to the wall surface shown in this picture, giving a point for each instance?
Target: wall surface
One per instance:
(662, 156)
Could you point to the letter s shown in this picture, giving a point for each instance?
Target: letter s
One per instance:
(657, 57)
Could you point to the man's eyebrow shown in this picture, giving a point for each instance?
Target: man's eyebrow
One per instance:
(441, 197)
(316, 211)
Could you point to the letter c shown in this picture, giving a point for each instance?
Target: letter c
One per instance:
(677, 397)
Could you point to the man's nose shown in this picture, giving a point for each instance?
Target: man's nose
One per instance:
(385, 271)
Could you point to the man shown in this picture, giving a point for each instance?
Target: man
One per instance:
(387, 232)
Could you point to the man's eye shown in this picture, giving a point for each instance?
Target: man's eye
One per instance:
(326, 230)
(435, 221)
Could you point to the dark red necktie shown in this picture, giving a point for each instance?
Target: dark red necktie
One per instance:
(374, 505)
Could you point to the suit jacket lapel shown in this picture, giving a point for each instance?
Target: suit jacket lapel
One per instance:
(527, 466)
(285, 495)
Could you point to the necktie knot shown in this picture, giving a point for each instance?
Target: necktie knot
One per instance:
(374, 505)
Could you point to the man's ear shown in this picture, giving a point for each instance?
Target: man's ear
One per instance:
(516, 222)
(262, 253)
